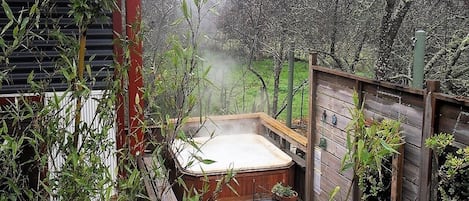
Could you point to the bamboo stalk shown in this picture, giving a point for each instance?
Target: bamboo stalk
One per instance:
(78, 87)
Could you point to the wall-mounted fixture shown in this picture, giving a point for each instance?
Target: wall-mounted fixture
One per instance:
(322, 140)
(334, 120)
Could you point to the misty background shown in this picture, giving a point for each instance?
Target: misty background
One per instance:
(371, 38)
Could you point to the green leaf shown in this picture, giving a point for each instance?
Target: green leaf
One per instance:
(88, 69)
(15, 32)
(333, 193)
(177, 21)
(205, 72)
(387, 147)
(30, 77)
(14, 148)
(4, 127)
(181, 182)
(346, 166)
(360, 149)
(214, 11)
(349, 140)
(185, 9)
(7, 10)
(207, 161)
(7, 26)
(2, 43)
(33, 9)
(24, 22)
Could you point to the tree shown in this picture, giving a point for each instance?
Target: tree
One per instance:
(267, 28)
(394, 13)
(348, 37)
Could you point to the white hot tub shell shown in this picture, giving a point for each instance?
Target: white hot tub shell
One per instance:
(241, 153)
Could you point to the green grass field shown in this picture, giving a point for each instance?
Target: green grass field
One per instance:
(245, 85)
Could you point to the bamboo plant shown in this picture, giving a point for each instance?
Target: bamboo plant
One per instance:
(370, 145)
(85, 13)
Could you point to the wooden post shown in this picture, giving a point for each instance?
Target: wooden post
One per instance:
(397, 174)
(427, 131)
(134, 20)
(356, 193)
(309, 180)
(118, 62)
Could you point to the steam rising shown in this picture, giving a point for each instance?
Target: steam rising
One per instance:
(231, 127)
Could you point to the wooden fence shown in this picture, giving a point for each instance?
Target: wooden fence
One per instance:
(422, 112)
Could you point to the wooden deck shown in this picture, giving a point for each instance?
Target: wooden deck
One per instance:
(157, 188)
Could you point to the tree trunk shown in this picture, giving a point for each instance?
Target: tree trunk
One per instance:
(278, 64)
(390, 23)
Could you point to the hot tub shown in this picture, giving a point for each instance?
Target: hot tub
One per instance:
(258, 164)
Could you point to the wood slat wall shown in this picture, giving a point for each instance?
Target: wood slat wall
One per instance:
(333, 95)
(40, 56)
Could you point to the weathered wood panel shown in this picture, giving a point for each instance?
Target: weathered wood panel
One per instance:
(157, 187)
(409, 191)
(411, 171)
(335, 105)
(333, 133)
(336, 90)
(342, 120)
(334, 162)
(409, 96)
(454, 119)
(330, 180)
(410, 133)
(333, 96)
(395, 110)
(336, 80)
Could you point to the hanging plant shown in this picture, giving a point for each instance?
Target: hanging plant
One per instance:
(370, 147)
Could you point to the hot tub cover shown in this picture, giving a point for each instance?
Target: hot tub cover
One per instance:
(240, 152)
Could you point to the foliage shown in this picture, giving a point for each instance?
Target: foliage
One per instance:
(454, 172)
(86, 12)
(454, 176)
(71, 164)
(283, 191)
(175, 87)
(38, 157)
(21, 26)
(369, 150)
(348, 37)
(17, 139)
(439, 142)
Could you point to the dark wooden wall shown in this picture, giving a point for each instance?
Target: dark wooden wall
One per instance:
(331, 93)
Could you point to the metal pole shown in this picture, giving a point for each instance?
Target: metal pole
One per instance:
(419, 55)
(291, 65)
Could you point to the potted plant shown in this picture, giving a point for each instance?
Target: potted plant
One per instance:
(284, 193)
